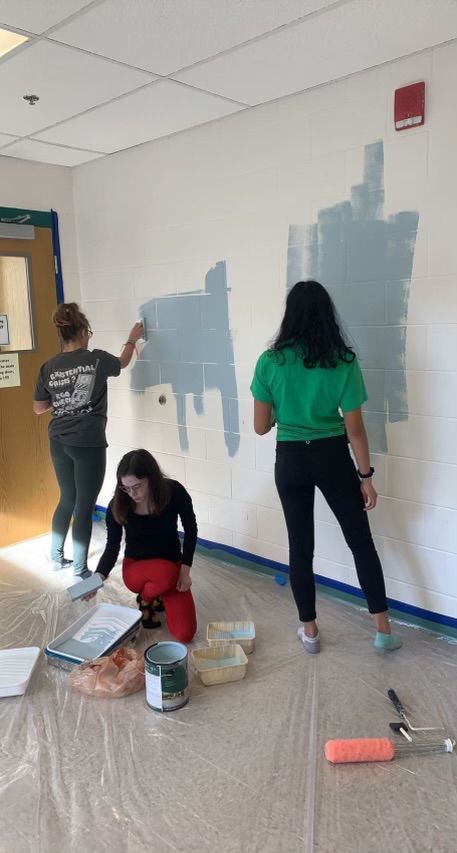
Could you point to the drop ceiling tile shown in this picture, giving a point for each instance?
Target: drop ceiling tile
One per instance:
(5, 139)
(165, 35)
(36, 16)
(66, 81)
(29, 149)
(341, 41)
(158, 110)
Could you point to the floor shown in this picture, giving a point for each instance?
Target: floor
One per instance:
(241, 768)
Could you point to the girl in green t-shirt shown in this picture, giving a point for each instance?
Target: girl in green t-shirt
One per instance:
(309, 383)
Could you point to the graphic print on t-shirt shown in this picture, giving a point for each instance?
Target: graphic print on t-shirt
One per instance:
(75, 389)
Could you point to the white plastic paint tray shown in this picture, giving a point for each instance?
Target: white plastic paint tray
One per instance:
(96, 633)
(16, 667)
(220, 664)
(243, 633)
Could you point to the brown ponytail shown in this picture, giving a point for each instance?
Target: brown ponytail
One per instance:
(70, 321)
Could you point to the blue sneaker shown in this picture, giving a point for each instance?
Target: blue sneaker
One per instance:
(387, 642)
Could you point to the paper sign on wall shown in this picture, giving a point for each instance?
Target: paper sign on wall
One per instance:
(4, 333)
(9, 370)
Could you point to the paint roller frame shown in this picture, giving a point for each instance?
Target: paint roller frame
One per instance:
(402, 713)
(402, 729)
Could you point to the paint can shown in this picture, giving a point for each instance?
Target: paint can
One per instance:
(165, 666)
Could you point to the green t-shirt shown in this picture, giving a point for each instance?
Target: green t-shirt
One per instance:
(307, 402)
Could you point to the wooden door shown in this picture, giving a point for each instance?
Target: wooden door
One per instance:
(28, 489)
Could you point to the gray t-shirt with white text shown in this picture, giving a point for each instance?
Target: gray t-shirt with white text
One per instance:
(75, 385)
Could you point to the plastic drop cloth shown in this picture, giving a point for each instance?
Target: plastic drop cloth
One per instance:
(240, 769)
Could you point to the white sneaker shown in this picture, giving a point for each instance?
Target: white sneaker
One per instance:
(311, 644)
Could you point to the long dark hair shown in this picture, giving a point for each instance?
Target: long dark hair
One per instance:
(140, 464)
(310, 325)
(70, 321)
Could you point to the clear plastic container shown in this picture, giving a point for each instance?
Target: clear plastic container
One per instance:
(220, 664)
(221, 633)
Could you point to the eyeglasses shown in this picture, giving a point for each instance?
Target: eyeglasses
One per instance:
(131, 490)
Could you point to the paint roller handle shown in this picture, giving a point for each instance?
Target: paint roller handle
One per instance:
(395, 702)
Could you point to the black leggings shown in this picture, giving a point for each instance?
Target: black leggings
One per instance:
(327, 464)
(80, 472)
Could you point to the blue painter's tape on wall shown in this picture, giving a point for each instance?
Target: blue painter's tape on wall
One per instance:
(401, 606)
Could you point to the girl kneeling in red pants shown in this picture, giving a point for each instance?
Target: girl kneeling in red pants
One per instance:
(147, 505)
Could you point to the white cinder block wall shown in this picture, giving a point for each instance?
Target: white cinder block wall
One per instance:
(152, 222)
(35, 186)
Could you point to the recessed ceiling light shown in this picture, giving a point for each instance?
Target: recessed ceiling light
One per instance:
(10, 40)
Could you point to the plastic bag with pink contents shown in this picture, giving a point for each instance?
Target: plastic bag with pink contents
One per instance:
(112, 677)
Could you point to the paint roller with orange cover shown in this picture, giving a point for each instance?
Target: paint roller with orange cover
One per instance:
(380, 749)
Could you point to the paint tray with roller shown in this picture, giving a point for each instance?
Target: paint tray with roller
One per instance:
(243, 633)
(96, 633)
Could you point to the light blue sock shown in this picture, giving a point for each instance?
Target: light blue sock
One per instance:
(386, 642)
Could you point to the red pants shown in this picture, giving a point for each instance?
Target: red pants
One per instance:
(151, 578)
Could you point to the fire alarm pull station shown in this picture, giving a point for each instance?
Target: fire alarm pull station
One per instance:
(409, 106)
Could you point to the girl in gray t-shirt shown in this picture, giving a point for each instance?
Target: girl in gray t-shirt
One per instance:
(73, 386)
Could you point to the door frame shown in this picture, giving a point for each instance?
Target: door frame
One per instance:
(42, 219)
(27, 513)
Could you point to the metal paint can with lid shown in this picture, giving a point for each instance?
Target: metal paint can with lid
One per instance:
(167, 684)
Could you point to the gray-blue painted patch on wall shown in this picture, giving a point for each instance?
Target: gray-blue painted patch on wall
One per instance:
(366, 263)
(190, 347)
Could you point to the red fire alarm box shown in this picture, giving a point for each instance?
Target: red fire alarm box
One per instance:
(409, 106)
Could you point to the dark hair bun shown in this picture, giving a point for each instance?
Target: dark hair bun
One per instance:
(70, 321)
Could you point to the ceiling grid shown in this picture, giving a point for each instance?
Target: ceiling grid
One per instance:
(111, 75)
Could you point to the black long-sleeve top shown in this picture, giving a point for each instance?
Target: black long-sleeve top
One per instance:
(153, 536)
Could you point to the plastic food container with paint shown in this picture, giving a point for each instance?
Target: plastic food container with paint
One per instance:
(165, 668)
(16, 668)
(221, 633)
(220, 664)
(96, 633)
